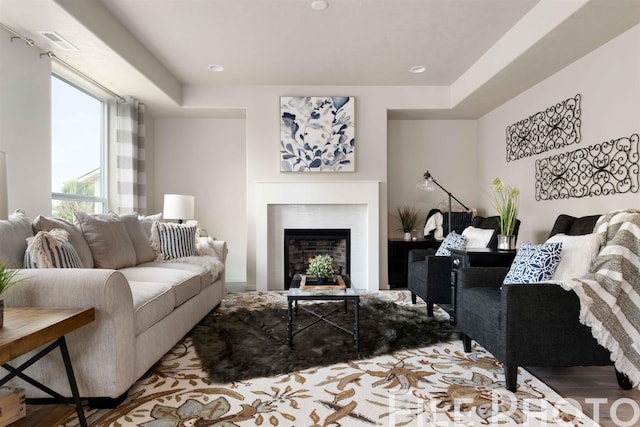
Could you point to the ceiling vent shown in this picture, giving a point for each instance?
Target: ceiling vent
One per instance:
(57, 40)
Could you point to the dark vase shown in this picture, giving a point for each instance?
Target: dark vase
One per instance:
(321, 280)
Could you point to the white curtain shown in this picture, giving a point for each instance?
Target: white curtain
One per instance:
(130, 141)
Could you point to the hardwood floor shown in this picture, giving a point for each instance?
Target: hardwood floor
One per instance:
(596, 390)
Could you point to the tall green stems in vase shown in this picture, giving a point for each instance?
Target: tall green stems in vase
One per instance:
(505, 201)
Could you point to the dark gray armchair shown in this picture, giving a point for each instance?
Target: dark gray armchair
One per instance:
(528, 324)
(429, 276)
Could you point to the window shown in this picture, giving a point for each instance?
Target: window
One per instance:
(77, 150)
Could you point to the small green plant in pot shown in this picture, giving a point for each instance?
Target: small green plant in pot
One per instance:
(7, 279)
(408, 219)
(323, 267)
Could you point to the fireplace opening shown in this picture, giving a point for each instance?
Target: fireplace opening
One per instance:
(301, 245)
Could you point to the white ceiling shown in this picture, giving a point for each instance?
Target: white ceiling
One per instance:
(150, 49)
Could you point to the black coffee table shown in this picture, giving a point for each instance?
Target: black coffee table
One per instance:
(295, 295)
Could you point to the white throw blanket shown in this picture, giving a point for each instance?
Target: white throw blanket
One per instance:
(434, 223)
(207, 257)
(610, 294)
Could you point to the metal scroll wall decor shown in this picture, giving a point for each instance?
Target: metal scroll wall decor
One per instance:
(610, 167)
(553, 128)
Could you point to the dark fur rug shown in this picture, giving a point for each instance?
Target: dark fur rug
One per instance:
(245, 344)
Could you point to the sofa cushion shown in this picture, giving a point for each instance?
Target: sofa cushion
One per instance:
(206, 276)
(51, 249)
(13, 234)
(172, 241)
(578, 253)
(42, 223)
(534, 263)
(572, 226)
(110, 244)
(185, 284)
(452, 241)
(139, 237)
(152, 302)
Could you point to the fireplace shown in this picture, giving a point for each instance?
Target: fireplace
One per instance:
(301, 245)
(328, 204)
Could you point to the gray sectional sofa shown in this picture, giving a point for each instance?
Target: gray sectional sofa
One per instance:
(143, 306)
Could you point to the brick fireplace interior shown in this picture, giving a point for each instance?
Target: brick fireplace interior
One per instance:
(301, 245)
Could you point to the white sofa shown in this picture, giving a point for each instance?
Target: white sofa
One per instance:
(142, 311)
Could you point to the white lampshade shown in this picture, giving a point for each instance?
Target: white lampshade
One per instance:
(4, 202)
(178, 206)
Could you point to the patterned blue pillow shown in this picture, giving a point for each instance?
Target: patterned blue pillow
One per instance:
(534, 263)
(452, 241)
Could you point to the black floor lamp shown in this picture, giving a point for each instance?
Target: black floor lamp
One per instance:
(427, 185)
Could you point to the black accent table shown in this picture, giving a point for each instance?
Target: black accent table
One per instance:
(478, 257)
(398, 255)
(295, 295)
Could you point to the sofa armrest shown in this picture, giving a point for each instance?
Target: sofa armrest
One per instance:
(220, 246)
(486, 277)
(548, 315)
(96, 349)
(419, 254)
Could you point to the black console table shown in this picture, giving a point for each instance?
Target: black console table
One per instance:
(398, 255)
(480, 257)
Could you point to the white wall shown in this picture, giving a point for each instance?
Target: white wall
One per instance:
(25, 125)
(206, 158)
(263, 138)
(446, 148)
(608, 80)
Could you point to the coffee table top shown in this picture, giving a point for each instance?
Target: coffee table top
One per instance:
(298, 293)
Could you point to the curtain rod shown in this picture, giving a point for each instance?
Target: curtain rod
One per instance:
(53, 56)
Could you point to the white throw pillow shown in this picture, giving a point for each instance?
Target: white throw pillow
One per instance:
(578, 253)
(478, 237)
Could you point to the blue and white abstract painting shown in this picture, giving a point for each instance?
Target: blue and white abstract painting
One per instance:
(317, 134)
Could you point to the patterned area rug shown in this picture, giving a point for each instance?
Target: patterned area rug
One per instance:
(439, 385)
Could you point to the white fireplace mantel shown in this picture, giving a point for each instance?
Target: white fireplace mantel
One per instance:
(344, 193)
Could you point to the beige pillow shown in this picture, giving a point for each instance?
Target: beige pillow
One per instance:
(138, 236)
(147, 221)
(42, 223)
(13, 234)
(110, 244)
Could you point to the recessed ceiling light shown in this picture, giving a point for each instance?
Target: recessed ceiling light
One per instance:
(417, 69)
(319, 5)
(215, 67)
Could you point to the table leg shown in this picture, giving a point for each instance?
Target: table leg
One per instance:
(356, 330)
(72, 381)
(289, 323)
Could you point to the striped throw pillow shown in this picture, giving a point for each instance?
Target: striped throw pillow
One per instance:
(172, 240)
(51, 249)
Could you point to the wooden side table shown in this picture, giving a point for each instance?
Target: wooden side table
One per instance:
(26, 329)
(479, 257)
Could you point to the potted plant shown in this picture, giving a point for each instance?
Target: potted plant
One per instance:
(408, 219)
(505, 201)
(7, 279)
(323, 267)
